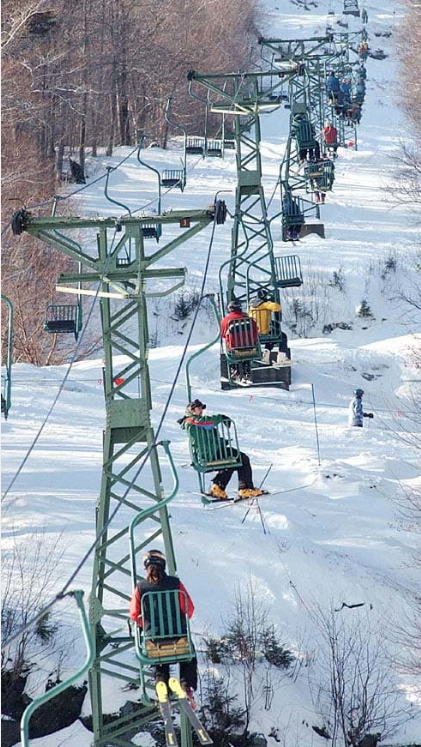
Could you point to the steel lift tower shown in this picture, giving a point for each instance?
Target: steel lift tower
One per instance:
(252, 264)
(114, 260)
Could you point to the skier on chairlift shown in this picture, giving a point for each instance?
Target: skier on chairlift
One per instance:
(240, 372)
(158, 580)
(261, 309)
(195, 423)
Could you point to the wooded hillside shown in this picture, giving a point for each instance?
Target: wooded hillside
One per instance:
(93, 74)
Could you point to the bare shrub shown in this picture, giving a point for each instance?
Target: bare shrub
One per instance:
(356, 691)
(30, 573)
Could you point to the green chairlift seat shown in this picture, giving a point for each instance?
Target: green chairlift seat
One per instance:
(173, 178)
(288, 271)
(169, 638)
(63, 318)
(152, 231)
(304, 133)
(214, 148)
(241, 345)
(214, 449)
(320, 174)
(195, 146)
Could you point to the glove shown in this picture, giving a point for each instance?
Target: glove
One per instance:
(227, 420)
(370, 415)
(180, 421)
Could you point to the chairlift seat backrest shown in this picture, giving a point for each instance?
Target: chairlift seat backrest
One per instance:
(173, 178)
(63, 318)
(167, 634)
(304, 133)
(214, 148)
(241, 336)
(214, 448)
(195, 145)
(152, 231)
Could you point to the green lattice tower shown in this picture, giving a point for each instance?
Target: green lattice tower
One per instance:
(318, 55)
(252, 264)
(125, 276)
(243, 97)
(305, 94)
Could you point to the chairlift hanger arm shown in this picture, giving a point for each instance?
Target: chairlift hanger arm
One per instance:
(123, 275)
(33, 225)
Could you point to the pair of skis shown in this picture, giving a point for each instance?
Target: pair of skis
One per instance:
(182, 701)
(207, 500)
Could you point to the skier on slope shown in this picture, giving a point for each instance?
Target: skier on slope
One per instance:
(203, 434)
(355, 410)
(157, 580)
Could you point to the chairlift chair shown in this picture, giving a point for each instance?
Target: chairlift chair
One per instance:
(173, 178)
(351, 8)
(63, 318)
(152, 231)
(214, 449)
(288, 271)
(214, 148)
(195, 146)
(168, 639)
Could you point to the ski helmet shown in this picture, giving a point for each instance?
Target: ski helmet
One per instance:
(262, 294)
(234, 305)
(156, 558)
(359, 392)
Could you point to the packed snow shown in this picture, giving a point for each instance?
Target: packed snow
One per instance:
(333, 532)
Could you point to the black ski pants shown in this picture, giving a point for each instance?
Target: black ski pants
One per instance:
(188, 673)
(245, 476)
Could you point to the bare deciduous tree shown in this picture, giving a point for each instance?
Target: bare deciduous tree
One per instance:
(356, 690)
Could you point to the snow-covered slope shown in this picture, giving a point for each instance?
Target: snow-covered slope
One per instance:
(335, 534)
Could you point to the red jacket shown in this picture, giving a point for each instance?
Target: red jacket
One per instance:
(330, 135)
(229, 337)
(167, 582)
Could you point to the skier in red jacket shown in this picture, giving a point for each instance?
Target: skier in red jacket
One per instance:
(157, 580)
(239, 339)
(330, 137)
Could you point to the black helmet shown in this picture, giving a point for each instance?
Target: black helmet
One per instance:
(359, 392)
(234, 305)
(156, 558)
(262, 294)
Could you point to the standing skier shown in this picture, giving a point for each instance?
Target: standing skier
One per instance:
(356, 414)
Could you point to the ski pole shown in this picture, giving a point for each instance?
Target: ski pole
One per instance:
(251, 504)
(266, 474)
(315, 423)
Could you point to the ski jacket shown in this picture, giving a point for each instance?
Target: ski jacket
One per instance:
(355, 411)
(346, 88)
(204, 436)
(167, 583)
(231, 339)
(330, 135)
(332, 83)
(262, 313)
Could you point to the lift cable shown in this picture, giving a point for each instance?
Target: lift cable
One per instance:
(64, 380)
